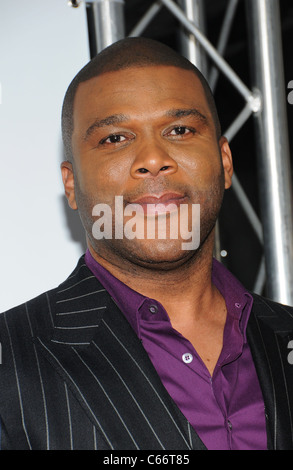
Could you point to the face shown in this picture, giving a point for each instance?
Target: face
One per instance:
(146, 135)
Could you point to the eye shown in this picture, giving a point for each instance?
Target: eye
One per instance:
(113, 139)
(181, 131)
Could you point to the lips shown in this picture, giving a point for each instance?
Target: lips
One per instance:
(162, 202)
(166, 198)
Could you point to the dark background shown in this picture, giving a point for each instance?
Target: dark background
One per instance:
(236, 234)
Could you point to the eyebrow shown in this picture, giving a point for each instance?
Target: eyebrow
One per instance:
(188, 112)
(119, 118)
(108, 121)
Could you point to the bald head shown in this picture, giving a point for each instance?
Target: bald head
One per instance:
(127, 53)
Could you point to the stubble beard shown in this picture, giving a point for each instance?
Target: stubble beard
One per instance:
(158, 255)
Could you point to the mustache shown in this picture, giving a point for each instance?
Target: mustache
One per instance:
(155, 187)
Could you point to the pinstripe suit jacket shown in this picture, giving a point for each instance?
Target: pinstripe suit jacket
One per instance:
(74, 375)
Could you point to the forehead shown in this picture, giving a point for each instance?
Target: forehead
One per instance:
(138, 88)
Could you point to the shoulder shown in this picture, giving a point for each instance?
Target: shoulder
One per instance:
(271, 305)
(269, 309)
(36, 316)
(22, 317)
(272, 323)
(18, 327)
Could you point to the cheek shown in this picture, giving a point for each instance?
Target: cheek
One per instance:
(115, 173)
(100, 182)
(203, 166)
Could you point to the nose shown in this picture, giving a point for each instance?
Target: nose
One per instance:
(153, 160)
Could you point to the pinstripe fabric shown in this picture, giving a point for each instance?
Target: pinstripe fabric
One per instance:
(269, 332)
(75, 376)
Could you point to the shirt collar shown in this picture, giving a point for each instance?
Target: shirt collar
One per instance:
(238, 300)
(128, 300)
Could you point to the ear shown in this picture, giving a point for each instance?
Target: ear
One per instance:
(68, 182)
(227, 161)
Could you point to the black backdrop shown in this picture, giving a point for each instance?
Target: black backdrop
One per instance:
(237, 236)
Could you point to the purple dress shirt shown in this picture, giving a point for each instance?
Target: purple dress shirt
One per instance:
(227, 409)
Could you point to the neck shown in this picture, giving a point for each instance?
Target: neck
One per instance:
(166, 286)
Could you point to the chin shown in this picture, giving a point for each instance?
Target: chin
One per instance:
(160, 254)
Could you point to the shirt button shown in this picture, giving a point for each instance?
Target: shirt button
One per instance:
(237, 305)
(229, 425)
(187, 358)
(153, 309)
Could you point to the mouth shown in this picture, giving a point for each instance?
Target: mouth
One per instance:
(156, 204)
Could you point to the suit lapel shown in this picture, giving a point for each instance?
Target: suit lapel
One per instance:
(97, 353)
(269, 335)
(99, 356)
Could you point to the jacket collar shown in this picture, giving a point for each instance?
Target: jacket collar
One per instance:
(96, 352)
(269, 334)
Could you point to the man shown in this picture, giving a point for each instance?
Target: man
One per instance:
(150, 343)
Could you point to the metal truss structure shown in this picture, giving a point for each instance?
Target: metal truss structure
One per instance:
(265, 102)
